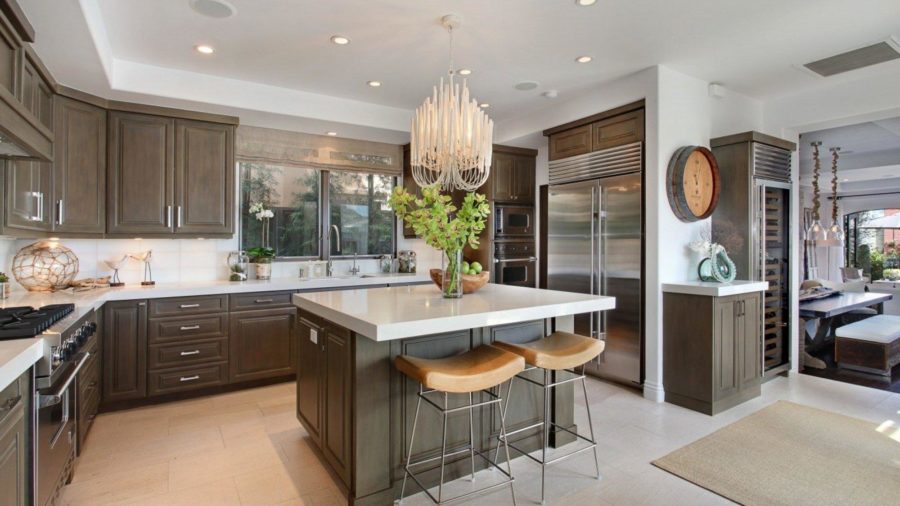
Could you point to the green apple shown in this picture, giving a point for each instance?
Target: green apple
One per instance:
(465, 267)
(476, 267)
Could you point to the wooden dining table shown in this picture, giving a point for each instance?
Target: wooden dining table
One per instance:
(825, 310)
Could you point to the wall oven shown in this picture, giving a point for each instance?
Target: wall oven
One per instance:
(513, 221)
(515, 264)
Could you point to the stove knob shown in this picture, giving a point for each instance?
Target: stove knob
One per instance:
(80, 337)
(92, 326)
(60, 353)
(71, 345)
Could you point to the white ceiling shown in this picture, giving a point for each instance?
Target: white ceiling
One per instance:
(869, 152)
(752, 47)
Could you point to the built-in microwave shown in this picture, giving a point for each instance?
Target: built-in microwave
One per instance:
(513, 221)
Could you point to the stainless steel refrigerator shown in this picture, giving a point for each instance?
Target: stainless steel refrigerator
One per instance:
(594, 242)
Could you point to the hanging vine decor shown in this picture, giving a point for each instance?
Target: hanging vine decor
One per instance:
(834, 184)
(815, 184)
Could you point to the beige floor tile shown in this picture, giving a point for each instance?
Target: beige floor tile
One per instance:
(218, 493)
(207, 467)
(265, 486)
(119, 486)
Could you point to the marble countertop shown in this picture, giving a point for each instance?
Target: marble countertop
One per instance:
(385, 314)
(17, 355)
(712, 289)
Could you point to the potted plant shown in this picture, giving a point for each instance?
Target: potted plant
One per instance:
(5, 287)
(262, 259)
(445, 227)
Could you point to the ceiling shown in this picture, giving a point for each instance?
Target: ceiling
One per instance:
(751, 47)
(870, 154)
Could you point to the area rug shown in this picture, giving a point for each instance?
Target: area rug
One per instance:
(790, 454)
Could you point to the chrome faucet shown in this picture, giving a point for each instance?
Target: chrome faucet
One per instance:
(355, 269)
(329, 267)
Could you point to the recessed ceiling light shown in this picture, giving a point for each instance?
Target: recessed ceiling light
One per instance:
(204, 49)
(218, 9)
(340, 40)
(374, 84)
(484, 105)
(585, 3)
(584, 59)
(526, 85)
(332, 134)
(465, 72)
(846, 179)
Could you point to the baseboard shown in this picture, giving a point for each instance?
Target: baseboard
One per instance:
(654, 392)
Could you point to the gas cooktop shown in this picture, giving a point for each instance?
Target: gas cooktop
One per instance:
(19, 322)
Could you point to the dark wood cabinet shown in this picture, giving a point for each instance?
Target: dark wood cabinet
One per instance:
(310, 341)
(616, 127)
(141, 174)
(36, 88)
(261, 344)
(14, 448)
(618, 130)
(10, 56)
(88, 391)
(512, 176)
(576, 141)
(79, 168)
(124, 350)
(338, 394)
(204, 178)
(27, 195)
(711, 361)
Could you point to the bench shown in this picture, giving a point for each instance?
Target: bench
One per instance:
(871, 345)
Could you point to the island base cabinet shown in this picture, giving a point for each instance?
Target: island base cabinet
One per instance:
(310, 345)
(261, 344)
(14, 448)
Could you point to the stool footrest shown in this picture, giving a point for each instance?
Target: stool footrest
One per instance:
(488, 488)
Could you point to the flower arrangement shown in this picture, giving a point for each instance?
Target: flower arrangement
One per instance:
(259, 209)
(721, 268)
(443, 226)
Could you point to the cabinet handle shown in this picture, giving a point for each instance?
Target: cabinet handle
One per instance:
(188, 306)
(60, 212)
(168, 216)
(178, 220)
(9, 405)
(189, 353)
(189, 327)
(263, 301)
(189, 378)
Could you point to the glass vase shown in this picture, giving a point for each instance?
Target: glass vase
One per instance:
(451, 275)
(263, 268)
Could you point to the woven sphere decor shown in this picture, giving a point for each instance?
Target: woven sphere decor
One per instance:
(45, 266)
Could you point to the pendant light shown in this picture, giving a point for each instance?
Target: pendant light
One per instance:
(816, 232)
(836, 230)
(451, 136)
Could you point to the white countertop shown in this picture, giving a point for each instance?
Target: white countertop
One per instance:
(712, 289)
(17, 355)
(384, 314)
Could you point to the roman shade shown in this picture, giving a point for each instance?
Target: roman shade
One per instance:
(295, 149)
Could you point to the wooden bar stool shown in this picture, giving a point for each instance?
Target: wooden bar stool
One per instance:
(560, 352)
(480, 369)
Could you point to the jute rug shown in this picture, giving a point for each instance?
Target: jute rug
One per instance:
(789, 454)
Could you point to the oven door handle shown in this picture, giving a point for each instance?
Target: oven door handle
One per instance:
(505, 260)
(56, 396)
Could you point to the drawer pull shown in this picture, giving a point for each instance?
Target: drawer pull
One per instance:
(188, 306)
(189, 378)
(263, 301)
(190, 327)
(189, 353)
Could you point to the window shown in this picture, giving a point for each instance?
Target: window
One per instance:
(355, 202)
(359, 209)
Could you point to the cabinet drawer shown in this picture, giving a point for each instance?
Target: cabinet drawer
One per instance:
(187, 378)
(188, 305)
(260, 300)
(89, 378)
(179, 355)
(190, 328)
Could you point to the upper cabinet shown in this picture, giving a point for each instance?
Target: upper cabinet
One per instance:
(79, 168)
(36, 90)
(512, 176)
(169, 176)
(576, 141)
(618, 130)
(617, 127)
(27, 197)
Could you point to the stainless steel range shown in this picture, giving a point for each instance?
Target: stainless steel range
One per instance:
(63, 333)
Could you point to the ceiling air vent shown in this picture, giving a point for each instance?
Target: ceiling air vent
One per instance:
(880, 52)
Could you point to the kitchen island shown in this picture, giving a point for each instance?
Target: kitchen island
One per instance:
(358, 409)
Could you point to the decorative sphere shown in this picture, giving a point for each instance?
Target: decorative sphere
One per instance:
(45, 266)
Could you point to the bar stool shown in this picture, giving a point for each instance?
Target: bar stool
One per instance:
(480, 369)
(558, 352)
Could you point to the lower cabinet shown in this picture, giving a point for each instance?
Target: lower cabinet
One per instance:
(712, 361)
(87, 391)
(14, 448)
(261, 344)
(324, 389)
(124, 350)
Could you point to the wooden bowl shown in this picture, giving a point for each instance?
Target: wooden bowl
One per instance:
(470, 283)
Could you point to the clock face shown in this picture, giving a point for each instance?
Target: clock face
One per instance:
(698, 183)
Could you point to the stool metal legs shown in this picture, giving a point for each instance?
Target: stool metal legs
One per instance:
(546, 423)
(446, 411)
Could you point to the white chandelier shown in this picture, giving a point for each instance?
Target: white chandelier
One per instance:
(451, 136)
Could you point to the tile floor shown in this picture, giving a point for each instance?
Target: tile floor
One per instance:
(246, 448)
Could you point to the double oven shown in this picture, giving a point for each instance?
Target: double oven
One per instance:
(514, 255)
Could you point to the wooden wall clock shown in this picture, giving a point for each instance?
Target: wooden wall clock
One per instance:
(692, 183)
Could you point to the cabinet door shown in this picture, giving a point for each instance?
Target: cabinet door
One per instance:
(524, 181)
(310, 351)
(409, 184)
(726, 375)
(618, 130)
(204, 178)
(576, 141)
(141, 172)
(503, 174)
(125, 350)
(261, 344)
(10, 52)
(37, 94)
(14, 450)
(750, 340)
(337, 442)
(79, 168)
(28, 195)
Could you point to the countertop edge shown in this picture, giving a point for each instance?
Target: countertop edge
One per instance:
(20, 362)
(715, 289)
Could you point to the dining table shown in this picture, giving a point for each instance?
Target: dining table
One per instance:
(818, 317)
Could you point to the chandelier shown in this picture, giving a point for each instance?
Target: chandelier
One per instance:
(451, 136)
(816, 232)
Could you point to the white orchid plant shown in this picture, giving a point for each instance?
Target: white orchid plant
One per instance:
(259, 210)
(721, 267)
(704, 244)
